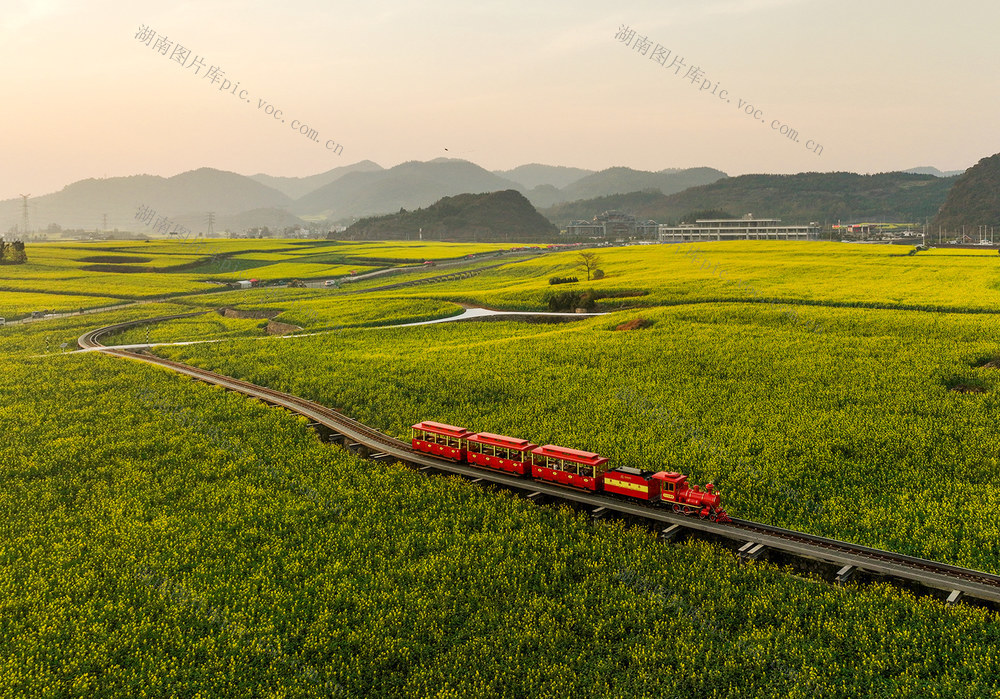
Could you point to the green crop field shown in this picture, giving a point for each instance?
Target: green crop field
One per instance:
(833, 274)
(790, 423)
(165, 538)
(97, 272)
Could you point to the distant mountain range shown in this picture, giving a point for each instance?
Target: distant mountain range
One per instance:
(190, 195)
(341, 195)
(927, 170)
(416, 184)
(810, 196)
(344, 194)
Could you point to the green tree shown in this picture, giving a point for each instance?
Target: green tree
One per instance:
(588, 262)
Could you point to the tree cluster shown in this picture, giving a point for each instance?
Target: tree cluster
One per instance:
(569, 301)
(12, 253)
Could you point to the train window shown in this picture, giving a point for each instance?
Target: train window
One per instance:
(670, 487)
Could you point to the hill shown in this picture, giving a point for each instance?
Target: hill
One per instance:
(497, 216)
(193, 194)
(408, 185)
(296, 187)
(801, 198)
(620, 180)
(975, 198)
(535, 175)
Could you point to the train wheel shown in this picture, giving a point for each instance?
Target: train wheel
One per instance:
(714, 517)
(678, 510)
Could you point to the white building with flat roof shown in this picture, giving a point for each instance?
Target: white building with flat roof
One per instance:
(746, 228)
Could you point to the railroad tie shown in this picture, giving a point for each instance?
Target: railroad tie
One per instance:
(953, 597)
(599, 512)
(750, 551)
(671, 532)
(845, 573)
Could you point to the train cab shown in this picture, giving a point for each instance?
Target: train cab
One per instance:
(500, 452)
(579, 469)
(439, 439)
(672, 484)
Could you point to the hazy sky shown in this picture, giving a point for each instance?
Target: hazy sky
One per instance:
(880, 85)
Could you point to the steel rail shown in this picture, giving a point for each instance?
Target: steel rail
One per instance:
(931, 574)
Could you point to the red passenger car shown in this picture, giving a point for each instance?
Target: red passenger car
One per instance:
(580, 469)
(440, 439)
(500, 452)
(633, 483)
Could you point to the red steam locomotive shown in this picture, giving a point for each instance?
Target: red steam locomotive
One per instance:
(568, 467)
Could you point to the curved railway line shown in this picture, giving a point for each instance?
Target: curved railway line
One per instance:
(834, 560)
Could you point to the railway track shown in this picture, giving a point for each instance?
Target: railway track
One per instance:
(752, 539)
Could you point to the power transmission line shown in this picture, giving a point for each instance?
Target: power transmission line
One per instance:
(24, 213)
